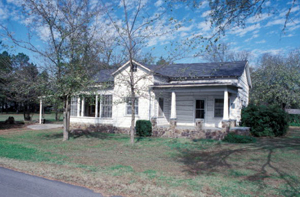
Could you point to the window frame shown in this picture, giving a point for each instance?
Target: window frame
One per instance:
(221, 115)
(203, 109)
(127, 100)
(106, 105)
(134, 67)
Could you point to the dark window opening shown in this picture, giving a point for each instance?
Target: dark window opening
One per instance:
(134, 67)
(200, 109)
(89, 107)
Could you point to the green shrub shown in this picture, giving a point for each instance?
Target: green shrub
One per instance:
(294, 119)
(234, 138)
(143, 128)
(265, 120)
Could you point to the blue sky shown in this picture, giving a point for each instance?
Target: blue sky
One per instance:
(262, 33)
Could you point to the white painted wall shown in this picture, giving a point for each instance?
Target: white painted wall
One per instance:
(122, 90)
(185, 100)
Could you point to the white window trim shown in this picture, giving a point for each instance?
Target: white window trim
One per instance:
(129, 115)
(194, 108)
(215, 107)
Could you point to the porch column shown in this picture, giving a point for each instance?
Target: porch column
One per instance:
(173, 121)
(78, 106)
(82, 107)
(225, 110)
(101, 100)
(173, 106)
(96, 106)
(41, 111)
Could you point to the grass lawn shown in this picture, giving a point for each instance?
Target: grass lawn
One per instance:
(19, 117)
(158, 166)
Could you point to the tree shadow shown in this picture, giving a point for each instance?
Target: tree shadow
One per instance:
(223, 158)
(16, 125)
(80, 133)
(51, 136)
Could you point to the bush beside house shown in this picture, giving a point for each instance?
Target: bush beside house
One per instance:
(143, 128)
(265, 120)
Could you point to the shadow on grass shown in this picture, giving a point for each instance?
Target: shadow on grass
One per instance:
(98, 135)
(225, 157)
(53, 136)
(18, 124)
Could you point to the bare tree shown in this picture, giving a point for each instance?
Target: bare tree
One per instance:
(136, 28)
(223, 53)
(66, 27)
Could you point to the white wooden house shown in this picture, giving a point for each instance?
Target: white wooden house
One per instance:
(180, 93)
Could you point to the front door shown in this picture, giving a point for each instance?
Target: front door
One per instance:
(200, 109)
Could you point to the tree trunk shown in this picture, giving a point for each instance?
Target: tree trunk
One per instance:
(66, 120)
(6, 107)
(132, 119)
(56, 115)
(26, 113)
(132, 105)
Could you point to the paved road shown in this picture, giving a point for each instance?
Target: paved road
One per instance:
(17, 184)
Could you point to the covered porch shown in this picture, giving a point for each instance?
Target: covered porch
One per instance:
(196, 106)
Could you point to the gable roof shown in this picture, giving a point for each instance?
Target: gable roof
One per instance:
(127, 63)
(173, 71)
(104, 76)
(202, 70)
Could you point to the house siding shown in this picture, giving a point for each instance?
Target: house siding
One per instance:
(122, 90)
(242, 98)
(148, 104)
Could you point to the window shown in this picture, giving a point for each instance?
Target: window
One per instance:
(128, 106)
(219, 106)
(200, 109)
(89, 106)
(134, 67)
(106, 106)
(161, 107)
(74, 106)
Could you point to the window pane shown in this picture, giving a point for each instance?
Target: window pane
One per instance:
(200, 114)
(219, 105)
(199, 104)
(128, 105)
(107, 106)
(74, 106)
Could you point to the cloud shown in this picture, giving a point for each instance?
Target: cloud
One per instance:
(184, 29)
(276, 22)
(4, 13)
(261, 42)
(289, 35)
(204, 26)
(257, 18)
(294, 28)
(206, 13)
(295, 9)
(258, 52)
(158, 3)
(240, 31)
(251, 38)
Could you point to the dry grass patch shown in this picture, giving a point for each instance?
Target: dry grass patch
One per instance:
(159, 166)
